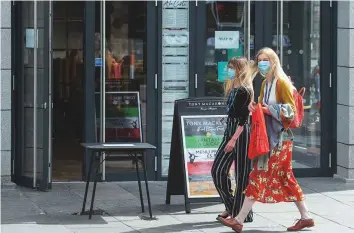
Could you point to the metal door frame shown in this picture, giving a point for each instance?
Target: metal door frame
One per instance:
(17, 114)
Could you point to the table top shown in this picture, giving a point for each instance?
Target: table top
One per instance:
(133, 146)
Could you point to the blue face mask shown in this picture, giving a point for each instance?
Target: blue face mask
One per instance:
(231, 73)
(264, 67)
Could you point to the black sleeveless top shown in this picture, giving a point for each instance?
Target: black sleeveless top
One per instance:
(237, 104)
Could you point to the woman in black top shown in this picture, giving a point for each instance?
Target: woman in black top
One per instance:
(234, 146)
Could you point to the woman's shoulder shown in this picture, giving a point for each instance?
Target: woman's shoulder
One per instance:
(282, 83)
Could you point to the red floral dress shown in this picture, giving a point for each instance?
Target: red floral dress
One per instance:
(277, 184)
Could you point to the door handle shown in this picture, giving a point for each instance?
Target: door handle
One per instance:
(195, 81)
(156, 81)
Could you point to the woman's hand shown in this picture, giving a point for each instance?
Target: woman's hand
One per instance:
(265, 109)
(230, 145)
(252, 106)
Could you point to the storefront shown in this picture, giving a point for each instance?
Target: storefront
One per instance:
(165, 51)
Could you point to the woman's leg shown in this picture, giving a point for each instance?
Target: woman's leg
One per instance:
(220, 170)
(302, 207)
(246, 208)
(306, 220)
(220, 174)
(242, 171)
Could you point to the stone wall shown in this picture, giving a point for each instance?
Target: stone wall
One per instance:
(5, 88)
(345, 96)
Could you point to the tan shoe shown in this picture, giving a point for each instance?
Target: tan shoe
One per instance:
(231, 222)
(301, 224)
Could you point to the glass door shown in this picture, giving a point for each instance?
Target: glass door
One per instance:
(220, 21)
(121, 82)
(32, 94)
(296, 37)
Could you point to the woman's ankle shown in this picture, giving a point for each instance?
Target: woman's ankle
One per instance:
(239, 220)
(306, 216)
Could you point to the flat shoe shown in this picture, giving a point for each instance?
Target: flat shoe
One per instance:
(301, 224)
(232, 223)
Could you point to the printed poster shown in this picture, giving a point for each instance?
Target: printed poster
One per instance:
(201, 136)
(122, 121)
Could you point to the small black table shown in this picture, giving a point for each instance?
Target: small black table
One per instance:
(136, 150)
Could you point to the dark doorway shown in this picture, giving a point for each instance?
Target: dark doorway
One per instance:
(67, 44)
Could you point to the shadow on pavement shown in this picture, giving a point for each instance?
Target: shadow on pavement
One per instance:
(194, 227)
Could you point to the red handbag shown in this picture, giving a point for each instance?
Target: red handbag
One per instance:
(259, 144)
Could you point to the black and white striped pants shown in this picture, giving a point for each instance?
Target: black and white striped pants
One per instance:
(222, 165)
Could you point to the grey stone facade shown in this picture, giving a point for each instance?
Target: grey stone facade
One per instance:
(5, 88)
(345, 96)
(345, 83)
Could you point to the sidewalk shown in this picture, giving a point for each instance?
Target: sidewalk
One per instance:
(27, 211)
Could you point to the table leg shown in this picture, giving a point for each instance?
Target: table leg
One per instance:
(139, 183)
(94, 186)
(87, 182)
(147, 186)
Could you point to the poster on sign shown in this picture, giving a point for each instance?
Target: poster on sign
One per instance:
(227, 39)
(201, 136)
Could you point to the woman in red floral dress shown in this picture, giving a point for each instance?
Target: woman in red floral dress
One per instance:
(272, 179)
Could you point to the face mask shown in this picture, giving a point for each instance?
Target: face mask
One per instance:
(231, 73)
(264, 67)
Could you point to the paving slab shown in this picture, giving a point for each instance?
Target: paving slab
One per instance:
(25, 210)
(33, 228)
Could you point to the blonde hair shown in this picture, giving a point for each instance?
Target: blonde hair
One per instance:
(275, 67)
(239, 64)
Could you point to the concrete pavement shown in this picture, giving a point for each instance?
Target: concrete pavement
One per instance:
(27, 211)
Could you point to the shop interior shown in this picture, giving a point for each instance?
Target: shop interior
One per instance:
(68, 25)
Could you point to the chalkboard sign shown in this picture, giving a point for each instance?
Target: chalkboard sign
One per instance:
(197, 130)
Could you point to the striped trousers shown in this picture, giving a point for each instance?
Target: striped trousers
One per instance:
(222, 164)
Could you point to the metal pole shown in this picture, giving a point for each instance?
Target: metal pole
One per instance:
(249, 29)
(50, 107)
(103, 83)
(277, 26)
(35, 41)
(281, 30)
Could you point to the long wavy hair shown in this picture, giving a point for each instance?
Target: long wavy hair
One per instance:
(239, 64)
(275, 67)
